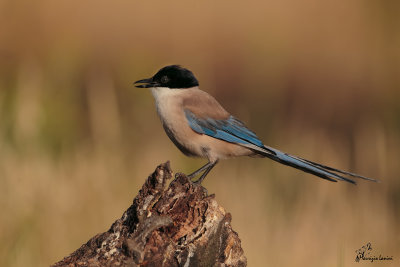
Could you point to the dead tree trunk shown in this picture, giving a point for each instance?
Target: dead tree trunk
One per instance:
(178, 225)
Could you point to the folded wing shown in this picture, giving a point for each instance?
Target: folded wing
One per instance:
(233, 130)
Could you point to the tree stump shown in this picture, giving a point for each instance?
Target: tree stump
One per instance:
(178, 225)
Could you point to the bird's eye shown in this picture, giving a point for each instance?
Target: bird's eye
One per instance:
(164, 79)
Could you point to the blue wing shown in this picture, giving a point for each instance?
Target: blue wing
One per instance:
(230, 130)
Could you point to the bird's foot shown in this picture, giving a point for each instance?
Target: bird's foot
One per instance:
(194, 182)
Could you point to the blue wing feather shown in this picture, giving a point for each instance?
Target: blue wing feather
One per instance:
(230, 130)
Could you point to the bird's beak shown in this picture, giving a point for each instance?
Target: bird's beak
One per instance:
(146, 83)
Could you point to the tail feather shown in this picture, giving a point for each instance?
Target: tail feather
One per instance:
(336, 170)
(322, 171)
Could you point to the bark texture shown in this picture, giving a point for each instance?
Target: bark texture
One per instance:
(175, 225)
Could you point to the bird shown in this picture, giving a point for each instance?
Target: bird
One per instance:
(200, 127)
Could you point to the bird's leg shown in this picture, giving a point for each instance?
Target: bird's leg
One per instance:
(195, 173)
(208, 168)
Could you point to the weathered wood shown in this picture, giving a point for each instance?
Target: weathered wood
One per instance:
(178, 225)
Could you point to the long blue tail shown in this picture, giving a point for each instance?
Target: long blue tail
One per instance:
(308, 166)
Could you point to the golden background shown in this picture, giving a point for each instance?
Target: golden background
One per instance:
(318, 79)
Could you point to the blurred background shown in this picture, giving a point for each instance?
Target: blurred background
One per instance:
(318, 79)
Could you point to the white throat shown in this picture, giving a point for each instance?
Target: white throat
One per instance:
(162, 93)
(168, 100)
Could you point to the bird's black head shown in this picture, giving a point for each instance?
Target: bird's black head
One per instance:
(173, 76)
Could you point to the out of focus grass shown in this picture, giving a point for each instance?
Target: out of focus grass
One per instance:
(316, 79)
